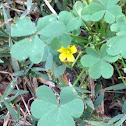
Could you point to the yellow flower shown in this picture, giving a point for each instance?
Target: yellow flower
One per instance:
(67, 53)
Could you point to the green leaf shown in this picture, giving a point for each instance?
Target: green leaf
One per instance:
(97, 123)
(11, 111)
(43, 91)
(99, 99)
(73, 24)
(50, 113)
(52, 29)
(10, 88)
(65, 17)
(82, 90)
(29, 5)
(55, 44)
(59, 70)
(115, 87)
(78, 7)
(90, 103)
(64, 40)
(107, 9)
(44, 21)
(116, 46)
(30, 47)
(22, 27)
(116, 118)
(70, 103)
(98, 63)
(120, 122)
(124, 108)
(49, 62)
(120, 25)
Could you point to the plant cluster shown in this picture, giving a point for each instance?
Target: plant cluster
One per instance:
(90, 37)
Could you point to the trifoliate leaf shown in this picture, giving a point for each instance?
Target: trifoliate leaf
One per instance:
(71, 23)
(22, 27)
(120, 25)
(50, 113)
(107, 9)
(117, 45)
(98, 63)
(52, 29)
(30, 47)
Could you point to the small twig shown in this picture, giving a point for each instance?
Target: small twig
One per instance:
(4, 72)
(6, 119)
(50, 7)
(5, 4)
(24, 102)
(14, 9)
(6, 22)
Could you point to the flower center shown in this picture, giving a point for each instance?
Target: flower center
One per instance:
(67, 52)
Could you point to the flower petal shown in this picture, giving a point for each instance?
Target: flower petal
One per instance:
(70, 58)
(61, 49)
(62, 57)
(73, 49)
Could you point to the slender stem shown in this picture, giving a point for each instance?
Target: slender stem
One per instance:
(77, 58)
(103, 28)
(79, 76)
(88, 28)
(50, 7)
(96, 25)
(123, 63)
(85, 85)
(77, 43)
(119, 73)
(83, 80)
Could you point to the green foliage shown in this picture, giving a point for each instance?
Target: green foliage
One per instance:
(30, 47)
(116, 45)
(53, 114)
(97, 29)
(23, 27)
(98, 63)
(107, 9)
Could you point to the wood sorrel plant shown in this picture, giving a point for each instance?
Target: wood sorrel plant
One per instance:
(41, 42)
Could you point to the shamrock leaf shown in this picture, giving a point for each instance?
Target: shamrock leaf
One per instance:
(98, 63)
(116, 45)
(120, 25)
(50, 113)
(104, 8)
(78, 7)
(50, 27)
(23, 27)
(30, 47)
(71, 23)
